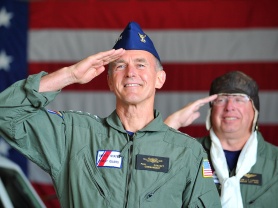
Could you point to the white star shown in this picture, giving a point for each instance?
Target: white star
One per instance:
(5, 17)
(4, 147)
(5, 61)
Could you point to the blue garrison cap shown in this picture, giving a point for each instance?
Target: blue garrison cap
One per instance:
(133, 38)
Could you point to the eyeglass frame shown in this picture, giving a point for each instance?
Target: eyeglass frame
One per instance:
(228, 96)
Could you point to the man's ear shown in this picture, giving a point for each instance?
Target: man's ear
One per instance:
(161, 78)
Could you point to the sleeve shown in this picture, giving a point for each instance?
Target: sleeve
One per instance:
(31, 129)
(204, 192)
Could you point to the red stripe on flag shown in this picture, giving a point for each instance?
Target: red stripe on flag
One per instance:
(183, 77)
(47, 193)
(172, 14)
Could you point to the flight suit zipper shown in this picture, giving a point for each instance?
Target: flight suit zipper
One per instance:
(128, 147)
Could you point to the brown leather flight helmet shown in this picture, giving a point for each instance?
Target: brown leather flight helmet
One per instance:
(236, 82)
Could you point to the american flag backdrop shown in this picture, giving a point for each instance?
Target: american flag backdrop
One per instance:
(197, 40)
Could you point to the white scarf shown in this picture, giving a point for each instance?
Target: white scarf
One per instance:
(230, 190)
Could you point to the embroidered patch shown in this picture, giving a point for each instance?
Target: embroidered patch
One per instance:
(152, 163)
(252, 179)
(109, 158)
(55, 112)
(207, 172)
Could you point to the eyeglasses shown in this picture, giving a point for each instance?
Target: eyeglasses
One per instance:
(237, 99)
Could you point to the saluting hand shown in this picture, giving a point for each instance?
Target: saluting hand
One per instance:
(81, 72)
(189, 113)
(92, 66)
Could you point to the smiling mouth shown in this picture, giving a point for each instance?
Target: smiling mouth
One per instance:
(132, 85)
(230, 118)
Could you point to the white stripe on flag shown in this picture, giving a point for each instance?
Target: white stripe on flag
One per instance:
(173, 45)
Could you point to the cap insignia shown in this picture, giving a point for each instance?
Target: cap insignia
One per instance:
(142, 37)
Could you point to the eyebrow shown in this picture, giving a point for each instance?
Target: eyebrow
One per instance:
(114, 63)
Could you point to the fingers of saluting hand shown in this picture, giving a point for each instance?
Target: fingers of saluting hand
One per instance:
(191, 112)
(107, 56)
(90, 67)
(117, 53)
(199, 103)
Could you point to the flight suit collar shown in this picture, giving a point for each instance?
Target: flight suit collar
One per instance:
(157, 124)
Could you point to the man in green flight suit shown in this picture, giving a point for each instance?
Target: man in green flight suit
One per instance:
(129, 159)
(244, 164)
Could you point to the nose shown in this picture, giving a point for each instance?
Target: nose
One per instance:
(130, 71)
(229, 104)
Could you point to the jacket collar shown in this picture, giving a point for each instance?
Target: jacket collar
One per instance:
(157, 124)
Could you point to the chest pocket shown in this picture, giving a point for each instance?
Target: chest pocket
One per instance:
(265, 196)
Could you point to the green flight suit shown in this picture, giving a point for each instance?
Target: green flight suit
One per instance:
(159, 166)
(259, 187)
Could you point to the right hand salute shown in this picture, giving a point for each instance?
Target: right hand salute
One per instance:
(89, 68)
(81, 72)
(189, 113)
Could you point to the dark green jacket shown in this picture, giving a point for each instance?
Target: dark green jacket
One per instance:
(161, 167)
(259, 187)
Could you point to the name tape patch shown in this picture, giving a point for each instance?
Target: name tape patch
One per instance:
(252, 179)
(152, 163)
(109, 158)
